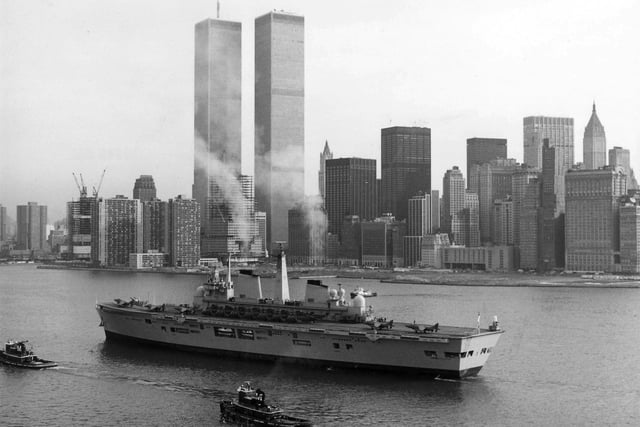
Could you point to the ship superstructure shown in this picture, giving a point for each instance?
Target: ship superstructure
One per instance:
(322, 329)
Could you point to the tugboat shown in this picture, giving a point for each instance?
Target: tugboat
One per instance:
(16, 353)
(251, 410)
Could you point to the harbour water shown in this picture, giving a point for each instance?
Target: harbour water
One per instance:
(570, 356)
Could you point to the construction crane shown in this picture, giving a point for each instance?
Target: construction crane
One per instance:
(96, 190)
(82, 189)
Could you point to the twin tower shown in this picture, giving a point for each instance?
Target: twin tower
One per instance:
(279, 122)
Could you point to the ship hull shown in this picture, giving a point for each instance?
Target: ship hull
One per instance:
(453, 353)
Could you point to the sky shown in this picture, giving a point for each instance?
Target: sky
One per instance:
(89, 85)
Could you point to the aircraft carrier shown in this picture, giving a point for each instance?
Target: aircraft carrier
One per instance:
(323, 329)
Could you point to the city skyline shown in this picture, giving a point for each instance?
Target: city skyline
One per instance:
(118, 92)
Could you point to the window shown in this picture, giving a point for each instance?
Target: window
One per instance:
(336, 345)
(349, 346)
(470, 353)
(463, 354)
(305, 343)
(431, 354)
(246, 334)
(224, 332)
(147, 321)
(449, 355)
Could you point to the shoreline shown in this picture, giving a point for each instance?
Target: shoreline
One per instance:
(415, 277)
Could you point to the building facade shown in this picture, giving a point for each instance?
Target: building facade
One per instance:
(621, 158)
(529, 226)
(483, 150)
(559, 132)
(31, 232)
(217, 121)
(502, 230)
(117, 231)
(453, 196)
(279, 119)
(81, 217)
(592, 219)
(324, 156)
(406, 167)
(307, 234)
(350, 190)
(491, 181)
(630, 235)
(594, 143)
(4, 224)
(184, 232)
(155, 226)
(144, 188)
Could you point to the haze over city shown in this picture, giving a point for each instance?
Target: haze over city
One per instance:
(89, 85)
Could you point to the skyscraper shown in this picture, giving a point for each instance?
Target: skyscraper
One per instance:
(592, 219)
(594, 143)
(621, 158)
(630, 235)
(324, 156)
(118, 231)
(529, 225)
(144, 188)
(307, 233)
(32, 226)
(406, 167)
(502, 230)
(217, 107)
(551, 234)
(232, 223)
(521, 179)
(81, 220)
(483, 150)
(155, 226)
(184, 232)
(491, 181)
(453, 197)
(559, 132)
(279, 118)
(350, 190)
(4, 224)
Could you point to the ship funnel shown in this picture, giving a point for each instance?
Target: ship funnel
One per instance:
(284, 279)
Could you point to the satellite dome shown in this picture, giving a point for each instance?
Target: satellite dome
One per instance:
(333, 293)
(341, 292)
(200, 291)
(359, 301)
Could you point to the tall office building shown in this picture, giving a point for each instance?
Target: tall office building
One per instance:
(144, 188)
(307, 233)
(502, 230)
(420, 216)
(453, 196)
(593, 219)
(32, 227)
(406, 167)
(117, 231)
(155, 226)
(184, 232)
(594, 143)
(435, 211)
(350, 190)
(279, 119)
(559, 132)
(491, 181)
(520, 180)
(621, 158)
(470, 221)
(232, 223)
(81, 220)
(324, 156)
(483, 150)
(551, 234)
(4, 224)
(217, 108)
(529, 225)
(630, 235)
